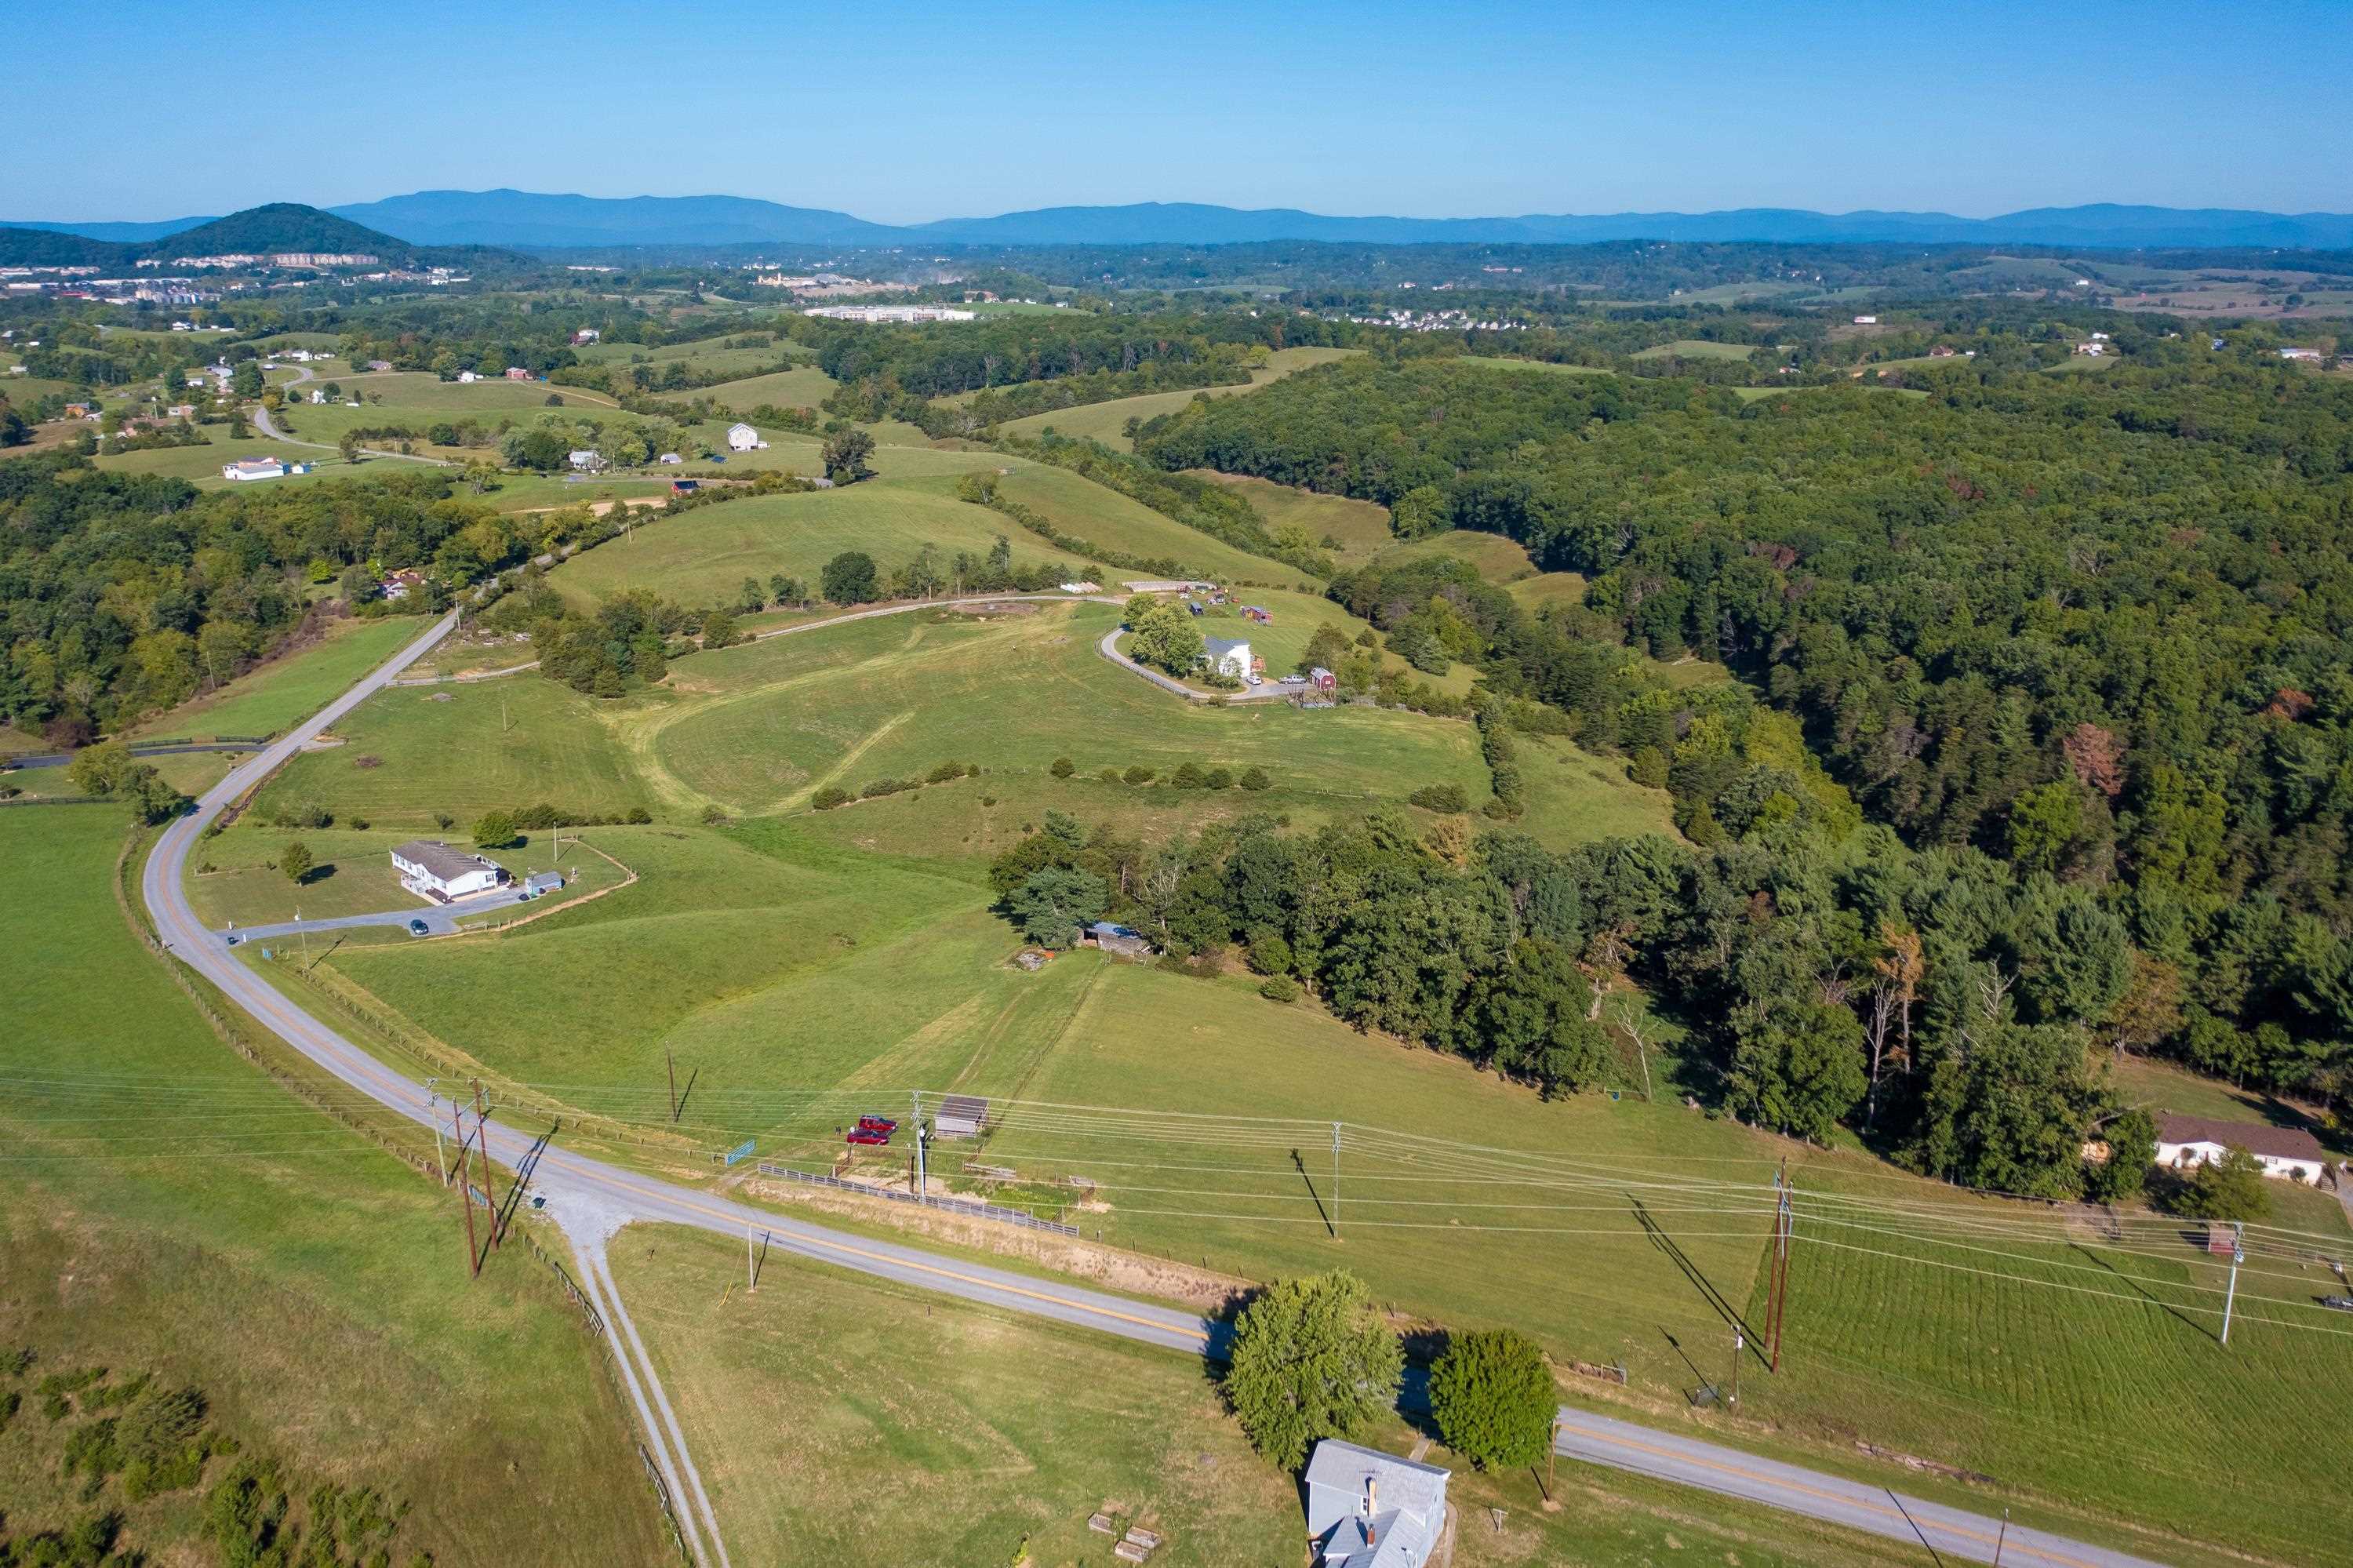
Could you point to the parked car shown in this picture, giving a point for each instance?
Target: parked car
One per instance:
(2341, 1303)
(416, 928)
(881, 1124)
(233, 941)
(867, 1135)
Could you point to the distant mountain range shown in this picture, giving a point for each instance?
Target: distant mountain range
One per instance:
(277, 227)
(527, 218)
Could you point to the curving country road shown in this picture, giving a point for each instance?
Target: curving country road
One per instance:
(592, 1198)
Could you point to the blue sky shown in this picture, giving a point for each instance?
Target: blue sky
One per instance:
(901, 114)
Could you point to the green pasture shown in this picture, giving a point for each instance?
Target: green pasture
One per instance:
(1504, 362)
(1696, 348)
(234, 878)
(802, 386)
(701, 556)
(1106, 422)
(462, 750)
(1103, 517)
(1534, 593)
(787, 717)
(273, 696)
(1494, 558)
(213, 1230)
(1361, 528)
(1576, 797)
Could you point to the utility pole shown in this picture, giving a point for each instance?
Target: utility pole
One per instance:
(2001, 1539)
(432, 1114)
(922, 1176)
(1336, 1180)
(465, 1190)
(482, 1139)
(1783, 1222)
(1551, 1453)
(1738, 1342)
(2238, 1256)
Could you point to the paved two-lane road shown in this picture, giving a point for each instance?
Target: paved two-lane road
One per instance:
(592, 1198)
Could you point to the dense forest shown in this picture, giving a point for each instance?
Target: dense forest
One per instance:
(2079, 642)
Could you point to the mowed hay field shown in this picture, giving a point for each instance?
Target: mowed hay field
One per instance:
(1107, 423)
(773, 722)
(802, 387)
(1696, 348)
(1105, 518)
(831, 1414)
(701, 556)
(172, 1210)
(1494, 558)
(956, 1432)
(1361, 528)
(2076, 1386)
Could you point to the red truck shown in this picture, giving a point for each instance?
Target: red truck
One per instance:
(867, 1135)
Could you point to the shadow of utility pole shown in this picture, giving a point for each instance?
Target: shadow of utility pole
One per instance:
(1311, 1192)
(1700, 1282)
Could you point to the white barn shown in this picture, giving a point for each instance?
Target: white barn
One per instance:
(2289, 1153)
(431, 869)
(743, 439)
(1370, 1509)
(246, 469)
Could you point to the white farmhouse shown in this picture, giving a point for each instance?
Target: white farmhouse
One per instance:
(431, 869)
(2289, 1153)
(588, 460)
(743, 439)
(1228, 658)
(1370, 1509)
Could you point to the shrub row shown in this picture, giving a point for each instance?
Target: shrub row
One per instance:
(827, 799)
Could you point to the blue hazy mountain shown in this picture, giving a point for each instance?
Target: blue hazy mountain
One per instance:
(511, 218)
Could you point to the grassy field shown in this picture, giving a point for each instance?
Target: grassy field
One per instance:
(1361, 528)
(802, 386)
(210, 1228)
(1496, 558)
(1548, 587)
(774, 722)
(1106, 422)
(1696, 348)
(1575, 797)
(701, 557)
(972, 1430)
(293, 687)
(464, 750)
(1105, 518)
(1501, 362)
(837, 1412)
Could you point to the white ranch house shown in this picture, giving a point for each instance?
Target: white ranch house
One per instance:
(2288, 1153)
(431, 869)
(743, 439)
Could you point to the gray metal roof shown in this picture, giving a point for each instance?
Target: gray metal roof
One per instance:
(439, 859)
(1218, 647)
(1412, 1501)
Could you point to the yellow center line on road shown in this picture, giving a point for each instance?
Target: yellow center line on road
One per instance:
(1827, 1496)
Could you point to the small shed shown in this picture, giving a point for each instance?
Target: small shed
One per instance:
(960, 1116)
(540, 882)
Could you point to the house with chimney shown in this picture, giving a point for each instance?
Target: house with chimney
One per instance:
(1370, 1509)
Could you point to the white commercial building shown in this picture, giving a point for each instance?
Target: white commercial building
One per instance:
(253, 468)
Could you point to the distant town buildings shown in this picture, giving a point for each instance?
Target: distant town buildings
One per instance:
(872, 314)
